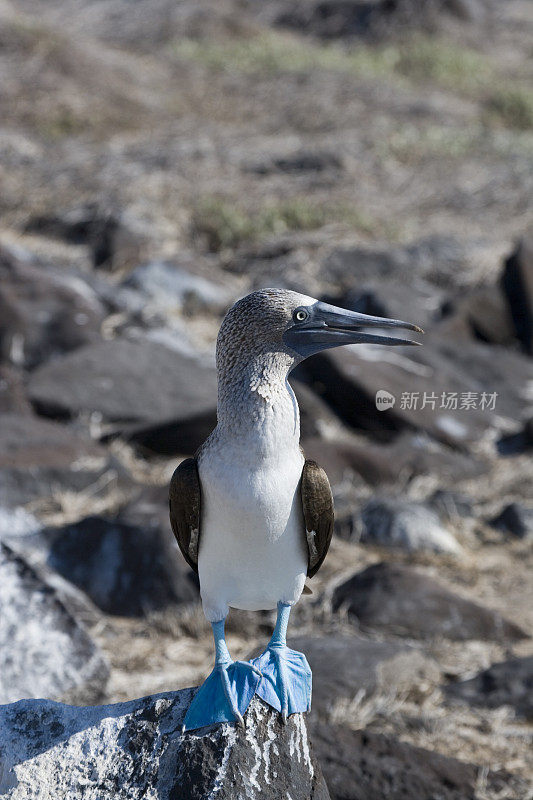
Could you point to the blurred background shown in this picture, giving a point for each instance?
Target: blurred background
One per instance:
(160, 159)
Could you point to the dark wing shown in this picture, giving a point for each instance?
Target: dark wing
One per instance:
(317, 504)
(185, 501)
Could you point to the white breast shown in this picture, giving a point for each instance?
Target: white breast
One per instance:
(252, 546)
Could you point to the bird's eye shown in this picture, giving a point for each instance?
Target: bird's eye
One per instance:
(300, 315)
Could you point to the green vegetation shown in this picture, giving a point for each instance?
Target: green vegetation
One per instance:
(274, 53)
(419, 59)
(223, 224)
(446, 64)
(512, 107)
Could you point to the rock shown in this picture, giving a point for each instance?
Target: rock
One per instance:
(346, 667)
(516, 520)
(361, 765)
(451, 505)
(43, 313)
(404, 601)
(302, 161)
(39, 457)
(135, 750)
(481, 314)
(174, 438)
(16, 523)
(388, 297)
(436, 259)
(389, 522)
(509, 683)
(517, 284)
(127, 383)
(408, 455)
(112, 238)
(521, 441)
(43, 649)
(12, 392)
(458, 392)
(125, 568)
(169, 287)
(316, 418)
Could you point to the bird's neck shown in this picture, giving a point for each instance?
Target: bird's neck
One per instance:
(256, 405)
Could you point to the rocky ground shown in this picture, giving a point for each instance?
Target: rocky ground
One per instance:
(158, 160)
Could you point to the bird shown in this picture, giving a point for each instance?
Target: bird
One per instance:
(251, 515)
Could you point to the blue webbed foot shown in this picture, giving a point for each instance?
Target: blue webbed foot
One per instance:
(224, 696)
(286, 682)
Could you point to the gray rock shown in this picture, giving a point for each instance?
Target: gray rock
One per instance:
(38, 457)
(426, 383)
(43, 649)
(301, 161)
(451, 505)
(408, 455)
(114, 241)
(516, 520)
(389, 522)
(125, 568)
(508, 683)
(389, 297)
(127, 383)
(43, 313)
(348, 667)
(12, 392)
(169, 287)
(362, 765)
(517, 284)
(404, 601)
(479, 314)
(135, 750)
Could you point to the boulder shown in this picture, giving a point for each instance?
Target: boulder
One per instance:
(12, 392)
(301, 161)
(458, 392)
(341, 19)
(44, 651)
(39, 457)
(126, 568)
(362, 765)
(391, 522)
(416, 300)
(401, 600)
(480, 314)
(450, 505)
(349, 667)
(114, 241)
(517, 285)
(317, 419)
(436, 259)
(43, 312)
(126, 383)
(347, 457)
(508, 683)
(171, 288)
(516, 520)
(518, 442)
(135, 750)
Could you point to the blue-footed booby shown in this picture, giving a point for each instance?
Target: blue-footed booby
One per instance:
(250, 514)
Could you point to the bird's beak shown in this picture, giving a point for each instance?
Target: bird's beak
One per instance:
(328, 326)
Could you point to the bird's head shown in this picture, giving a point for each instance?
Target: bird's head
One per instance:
(282, 321)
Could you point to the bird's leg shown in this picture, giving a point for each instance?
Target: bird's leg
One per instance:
(276, 645)
(223, 660)
(227, 691)
(286, 682)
